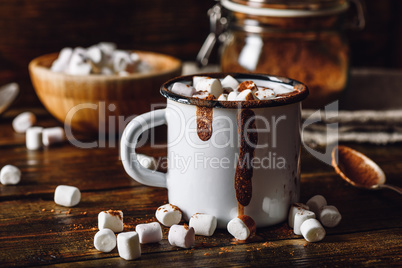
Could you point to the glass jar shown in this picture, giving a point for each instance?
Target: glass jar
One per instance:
(302, 40)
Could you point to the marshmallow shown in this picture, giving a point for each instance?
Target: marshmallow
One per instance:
(211, 85)
(300, 217)
(107, 47)
(105, 240)
(52, 135)
(128, 245)
(223, 97)
(202, 94)
(312, 230)
(294, 208)
(61, 63)
(329, 216)
(111, 219)
(168, 215)
(265, 94)
(183, 89)
(246, 85)
(197, 79)
(232, 96)
(135, 57)
(149, 232)
(121, 61)
(203, 224)
(67, 196)
(242, 227)
(23, 121)
(229, 82)
(10, 175)
(181, 236)
(33, 138)
(316, 203)
(94, 54)
(283, 89)
(245, 95)
(146, 161)
(78, 64)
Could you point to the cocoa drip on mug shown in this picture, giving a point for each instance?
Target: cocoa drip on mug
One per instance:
(244, 170)
(204, 122)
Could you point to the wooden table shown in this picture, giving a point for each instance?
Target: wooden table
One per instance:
(35, 231)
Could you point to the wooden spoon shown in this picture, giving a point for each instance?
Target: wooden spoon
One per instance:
(8, 93)
(359, 170)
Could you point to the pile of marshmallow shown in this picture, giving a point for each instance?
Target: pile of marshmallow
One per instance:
(129, 243)
(102, 58)
(229, 89)
(308, 219)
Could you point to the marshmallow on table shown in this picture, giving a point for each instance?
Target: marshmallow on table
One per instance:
(128, 245)
(203, 224)
(105, 240)
(146, 161)
(329, 216)
(312, 230)
(67, 196)
(33, 138)
(23, 121)
(181, 236)
(300, 217)
(149, 232)
(211, 85)
(168, 215)
(245, 95)
(61, 63)
(223, 97)
(242, 227)
(10, 175)
(265, 93)
(294, 208)
(183, 89)
(52, 135)
(316, 203)
(229, 82)
(111, 219)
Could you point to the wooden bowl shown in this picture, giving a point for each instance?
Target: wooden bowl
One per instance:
(101, 103)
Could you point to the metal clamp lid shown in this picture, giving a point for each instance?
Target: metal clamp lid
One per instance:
(218, 25)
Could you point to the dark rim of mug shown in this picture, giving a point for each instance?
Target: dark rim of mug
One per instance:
(300, 93)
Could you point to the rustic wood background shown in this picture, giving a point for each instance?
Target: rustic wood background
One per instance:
(29, 28)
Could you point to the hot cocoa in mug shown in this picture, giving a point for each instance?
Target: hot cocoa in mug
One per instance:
(230, 154)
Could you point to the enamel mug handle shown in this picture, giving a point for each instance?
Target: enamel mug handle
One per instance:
(128, 142)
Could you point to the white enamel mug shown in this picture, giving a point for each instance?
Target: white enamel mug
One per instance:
(201, 171)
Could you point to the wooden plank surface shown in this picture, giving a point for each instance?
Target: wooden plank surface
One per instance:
(36, 231)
